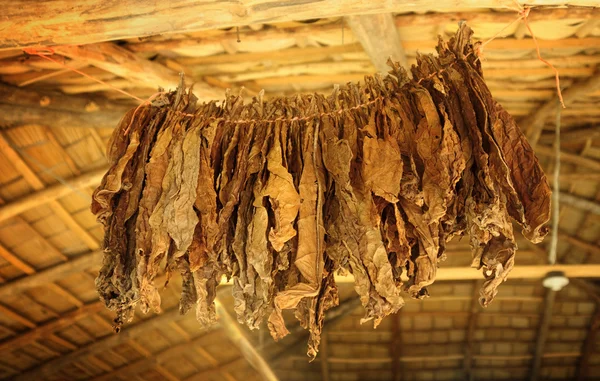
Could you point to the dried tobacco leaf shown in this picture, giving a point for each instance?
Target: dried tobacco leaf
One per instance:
(278, 196)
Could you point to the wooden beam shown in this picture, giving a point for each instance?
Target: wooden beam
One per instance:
(535, 122)
(92, 21)
(588, 347)
(51, 274)
(51, 193)
(16, 261)
(518, 272)
(43, 371)
(48, 328)
(235, 334)
(542, 334)
(37, 184)
(144, 73)
(379, 37)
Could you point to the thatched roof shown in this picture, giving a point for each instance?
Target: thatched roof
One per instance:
(56, 124)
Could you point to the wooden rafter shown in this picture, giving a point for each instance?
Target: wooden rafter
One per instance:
(51, 193)
(37, 184)
(48, 328)
(51, 274)
(379, 37)
(152, 360)
(95, 21)
(50, 367)
(534, 123)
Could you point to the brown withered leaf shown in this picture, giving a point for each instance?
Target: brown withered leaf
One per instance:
(279, 196)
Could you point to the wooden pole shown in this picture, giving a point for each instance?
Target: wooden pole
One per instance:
(379, 37)
(542, 335)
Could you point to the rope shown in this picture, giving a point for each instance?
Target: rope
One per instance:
(556, 192)
(523, 14)
(46, 52)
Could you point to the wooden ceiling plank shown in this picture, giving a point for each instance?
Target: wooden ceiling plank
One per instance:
(16, 261)
(237, 337)
(44, 330)
(213, 362)
(154, 359)
(534, 123)
(379, 37)
(51, 274)
(42, 371)
(36, 183)
(96, 20)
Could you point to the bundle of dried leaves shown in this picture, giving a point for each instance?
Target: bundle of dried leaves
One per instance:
(373, 180)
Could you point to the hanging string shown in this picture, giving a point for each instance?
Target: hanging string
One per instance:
(46, 52)
(556, 192)
(523, 14)
(237, 31)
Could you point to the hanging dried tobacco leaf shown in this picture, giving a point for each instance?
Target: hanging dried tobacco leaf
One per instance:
(373, 180)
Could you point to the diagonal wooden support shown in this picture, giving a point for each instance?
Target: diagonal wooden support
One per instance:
(50, 193)
(36, 183)
(51, 274)
(588, 346)
(379, 37)
(542, 334)
(47, 329)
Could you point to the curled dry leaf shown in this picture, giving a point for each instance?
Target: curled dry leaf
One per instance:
(278, 196)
